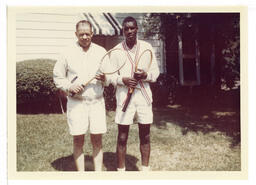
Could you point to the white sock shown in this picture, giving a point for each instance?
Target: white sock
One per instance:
(121, 169)
(98, 161)
(145, 168)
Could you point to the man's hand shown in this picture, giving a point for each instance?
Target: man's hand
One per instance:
(130, 82)
(140, 75)
(74, 89)
(101, 77)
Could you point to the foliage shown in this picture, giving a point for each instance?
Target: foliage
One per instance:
(231, 53)
(231, 67)
(225, 34)
(164, 23)
(36, 92)
(164, 90)
(110, 97)
(34, 85)
(151, 26)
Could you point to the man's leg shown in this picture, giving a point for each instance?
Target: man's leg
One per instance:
(96, 140)
(78, 143)
(144, 134)
(122, 137)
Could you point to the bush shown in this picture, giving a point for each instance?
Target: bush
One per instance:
(110, 97)
(230, 69)
(164, 90)
(36, 91)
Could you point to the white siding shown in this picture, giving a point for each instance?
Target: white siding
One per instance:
(42, 35)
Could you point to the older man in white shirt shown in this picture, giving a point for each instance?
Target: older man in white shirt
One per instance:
(86, 109)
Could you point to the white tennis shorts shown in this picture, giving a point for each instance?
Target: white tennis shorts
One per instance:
(143, 113)
(83, 115)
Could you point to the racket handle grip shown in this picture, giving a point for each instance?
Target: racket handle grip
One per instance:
(128, 98)
(73, 94)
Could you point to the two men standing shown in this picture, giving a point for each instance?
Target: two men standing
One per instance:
(81, 62)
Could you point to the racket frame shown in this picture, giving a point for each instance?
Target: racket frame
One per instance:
(106, 54)
(131, 90)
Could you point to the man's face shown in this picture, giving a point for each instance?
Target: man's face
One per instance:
(84, 35)
(130, 31)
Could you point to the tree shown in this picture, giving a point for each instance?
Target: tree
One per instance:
(222, 30)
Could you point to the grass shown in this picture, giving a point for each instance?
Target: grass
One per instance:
(182, 139)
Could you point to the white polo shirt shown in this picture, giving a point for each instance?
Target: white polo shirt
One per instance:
(142, 94)
(75, 62)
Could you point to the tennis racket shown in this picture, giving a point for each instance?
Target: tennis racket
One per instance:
(110, 63)
(144, 62)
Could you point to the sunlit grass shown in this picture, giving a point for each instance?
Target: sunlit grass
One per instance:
(44, 144)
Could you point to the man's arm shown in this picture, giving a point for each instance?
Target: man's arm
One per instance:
(60, 75)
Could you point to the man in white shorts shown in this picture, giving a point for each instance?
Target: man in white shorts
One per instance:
(141, 101)
(85, 107)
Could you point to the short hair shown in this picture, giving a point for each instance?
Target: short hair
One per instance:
(83, 22)
(129, 19)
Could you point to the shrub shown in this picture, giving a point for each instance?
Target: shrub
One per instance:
(164, 90)
(110, 97)
(36, 91)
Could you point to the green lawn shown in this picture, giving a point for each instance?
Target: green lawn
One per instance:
(181, 140)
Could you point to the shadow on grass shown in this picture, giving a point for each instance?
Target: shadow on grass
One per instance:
(199, 111)
(109, 161)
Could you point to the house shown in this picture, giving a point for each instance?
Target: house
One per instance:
(43, 34)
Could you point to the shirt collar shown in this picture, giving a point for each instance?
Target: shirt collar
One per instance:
(80, 48)
(133, 50)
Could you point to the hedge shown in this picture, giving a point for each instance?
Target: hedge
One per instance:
(36, 92)
(164, 90)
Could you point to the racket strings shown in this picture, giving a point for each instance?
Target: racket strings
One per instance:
(111, 62)
(144, 61)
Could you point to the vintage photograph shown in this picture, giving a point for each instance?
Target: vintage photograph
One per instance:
(128, 91)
